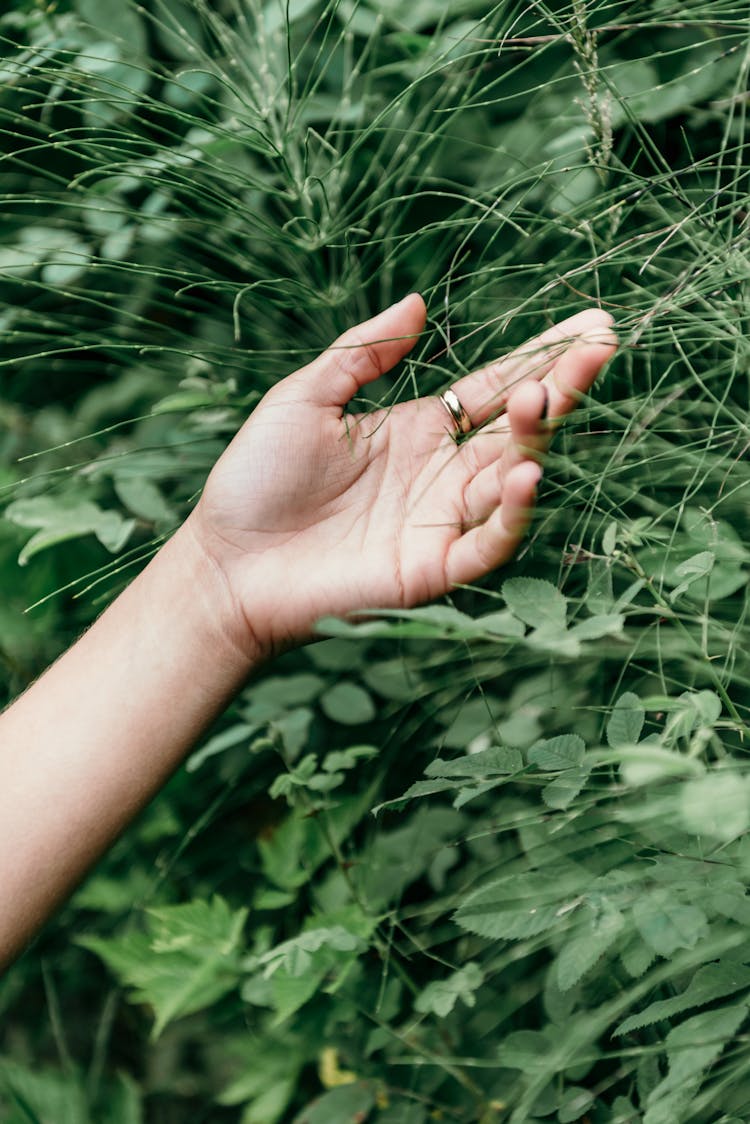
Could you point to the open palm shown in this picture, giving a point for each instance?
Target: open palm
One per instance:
(314, 512)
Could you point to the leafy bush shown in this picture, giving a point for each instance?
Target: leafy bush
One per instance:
(546, 916)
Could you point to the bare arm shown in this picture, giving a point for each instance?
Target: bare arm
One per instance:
(307, 514)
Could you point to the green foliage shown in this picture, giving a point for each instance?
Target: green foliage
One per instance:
(547, 918)
(187, 959)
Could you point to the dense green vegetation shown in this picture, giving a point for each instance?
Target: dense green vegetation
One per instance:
(546, 918)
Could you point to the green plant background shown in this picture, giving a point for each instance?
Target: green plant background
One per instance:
(546, 916)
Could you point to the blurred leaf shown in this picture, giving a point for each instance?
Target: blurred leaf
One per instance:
(344, 1105)
(440, 997)
(60, 519)
(717, 805)
(187, 959)
(347, 703)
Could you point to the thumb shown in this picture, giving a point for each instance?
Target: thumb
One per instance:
(363, 354)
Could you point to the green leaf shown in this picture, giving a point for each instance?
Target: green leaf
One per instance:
(666, 923)
(646, 763)
(495, 760)
(609, 538)
(501, 623)
(114, 20)
(554, 754)
(527, 1050)
(418, 789)
(430, 622)
(691, 1048)
(60, 519)
(440, 996)
(348, 758)
(348, 704)
(626, 721)
(637, 957)
(582, 951)
(65, 266)
(186, 960)
(717, 805)
(42, 1095)
(268, 1080)
(604, 624)
(521, 905)
(560, 792)
(227, 739)
(124, 1102)
(144, 498)
(280, 692)
(691, 570)
(294, 955)
(535, 602)
(347, 1104)
(710, 982)
(575, 1104)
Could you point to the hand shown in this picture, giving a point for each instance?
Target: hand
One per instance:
(311, 512)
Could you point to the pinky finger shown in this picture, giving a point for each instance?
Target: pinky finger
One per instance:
(484, 548)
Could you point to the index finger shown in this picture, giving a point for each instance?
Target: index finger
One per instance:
(483, 393)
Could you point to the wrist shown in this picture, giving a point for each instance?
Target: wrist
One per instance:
(220, 612)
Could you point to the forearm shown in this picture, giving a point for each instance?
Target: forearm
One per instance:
(87, 746)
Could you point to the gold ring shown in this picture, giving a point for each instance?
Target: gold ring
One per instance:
(458, 414)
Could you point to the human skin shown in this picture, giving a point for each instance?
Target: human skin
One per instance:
(310, 512)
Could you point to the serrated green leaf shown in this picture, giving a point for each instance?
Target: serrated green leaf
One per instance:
(582, 951)
(626, 721)
(710, 982)
(552, 755)
(637, 957)
(535, 602)
(691, 1048)
(187, 958)
(666, 923)
(521, 906)
(495, 760)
